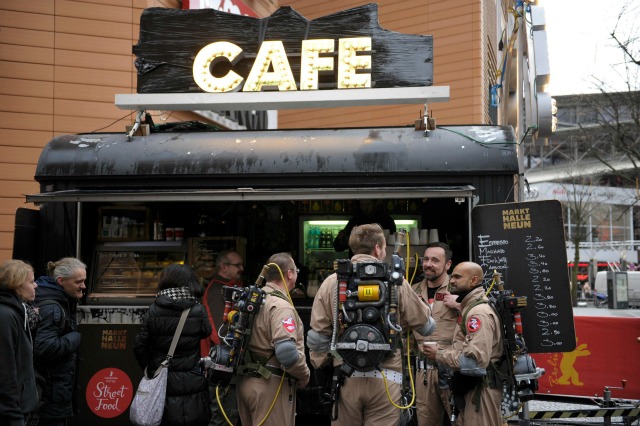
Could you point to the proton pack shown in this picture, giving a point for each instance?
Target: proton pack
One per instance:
(366, 308)
(516, 371)
(241, 305)
(522, 375)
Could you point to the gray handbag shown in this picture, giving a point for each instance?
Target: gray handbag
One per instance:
(148, 404)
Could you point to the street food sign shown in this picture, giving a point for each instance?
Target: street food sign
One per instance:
(208, 51)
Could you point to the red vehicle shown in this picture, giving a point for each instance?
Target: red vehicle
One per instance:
(583, 270)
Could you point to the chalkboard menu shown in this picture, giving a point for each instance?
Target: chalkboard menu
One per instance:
(525, 243)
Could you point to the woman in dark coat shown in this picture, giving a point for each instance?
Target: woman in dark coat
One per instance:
(188, 399)
(18, 393)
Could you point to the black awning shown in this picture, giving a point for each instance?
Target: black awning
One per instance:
(249, 194)
(235, 159)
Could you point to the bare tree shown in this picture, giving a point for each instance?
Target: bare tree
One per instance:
(617, 113)
(581, 206)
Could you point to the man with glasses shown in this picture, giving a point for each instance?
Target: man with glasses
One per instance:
(229, 268)
(275, 360)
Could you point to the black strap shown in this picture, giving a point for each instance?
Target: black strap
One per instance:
(174, 343)
(463, 323)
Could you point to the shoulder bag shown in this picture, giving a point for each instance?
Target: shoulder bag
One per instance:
(148, 404)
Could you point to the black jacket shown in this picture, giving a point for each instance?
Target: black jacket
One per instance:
(187, 400)
(55, 349)
(18, 394)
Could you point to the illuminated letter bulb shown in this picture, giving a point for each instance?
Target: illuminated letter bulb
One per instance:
(312, 63)
(202, 67)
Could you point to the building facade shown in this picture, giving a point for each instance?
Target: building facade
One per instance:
(63, 61)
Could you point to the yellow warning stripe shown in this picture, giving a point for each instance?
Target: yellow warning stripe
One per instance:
(570, 414)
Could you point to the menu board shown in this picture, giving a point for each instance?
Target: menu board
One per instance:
(524, 242)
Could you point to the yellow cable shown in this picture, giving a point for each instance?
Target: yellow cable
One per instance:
(415, 270)
(413, 387)
(224, 414)
(406, 267)
(268, 412)
(491, 286)
(274, 399)
(283, 281)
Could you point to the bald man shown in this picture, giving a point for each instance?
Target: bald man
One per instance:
(477, 347)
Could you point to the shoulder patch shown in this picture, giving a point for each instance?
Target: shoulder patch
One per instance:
(289, 324)
(473, 324)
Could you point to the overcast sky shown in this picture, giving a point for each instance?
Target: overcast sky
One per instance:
(580, 45)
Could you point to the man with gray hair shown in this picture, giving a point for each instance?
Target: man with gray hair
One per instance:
(57, 338)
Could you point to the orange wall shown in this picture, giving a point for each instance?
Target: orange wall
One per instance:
(61, 64)
(63, 61)
(456, 29)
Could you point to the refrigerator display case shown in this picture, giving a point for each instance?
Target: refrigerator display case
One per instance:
(318, 256)
(128, 271)
(317, 249)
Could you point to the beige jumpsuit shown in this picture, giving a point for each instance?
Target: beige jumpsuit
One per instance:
(276, 321)
(364, 400)
(431, 401)
(482, 341)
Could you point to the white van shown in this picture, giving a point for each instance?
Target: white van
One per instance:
(633, 280)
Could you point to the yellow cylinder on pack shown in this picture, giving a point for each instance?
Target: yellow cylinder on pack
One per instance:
(231, 316)
(368, 293)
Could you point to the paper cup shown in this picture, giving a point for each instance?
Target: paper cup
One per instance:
(424, 237)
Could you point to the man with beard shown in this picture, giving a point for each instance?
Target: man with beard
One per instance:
(432, 388)
(476, 348)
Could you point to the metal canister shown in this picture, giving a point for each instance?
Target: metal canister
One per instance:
(158, 231)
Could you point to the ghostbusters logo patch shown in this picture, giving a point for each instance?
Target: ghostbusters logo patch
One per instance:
(473, 324)
(289, 324)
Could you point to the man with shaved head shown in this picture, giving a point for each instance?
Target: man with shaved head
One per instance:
(476, 350)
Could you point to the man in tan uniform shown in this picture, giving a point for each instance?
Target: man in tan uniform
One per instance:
(477, 345)
(277, 346)
(432, 391)
(364, 399)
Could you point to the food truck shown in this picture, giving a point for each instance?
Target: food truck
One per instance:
(130, 204)
(107, 200)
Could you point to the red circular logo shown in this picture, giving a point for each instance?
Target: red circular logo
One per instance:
(109, 393)
(473, 324)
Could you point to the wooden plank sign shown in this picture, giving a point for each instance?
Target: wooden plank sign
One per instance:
(184, 51)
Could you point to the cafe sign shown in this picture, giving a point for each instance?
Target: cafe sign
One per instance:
(208, 51)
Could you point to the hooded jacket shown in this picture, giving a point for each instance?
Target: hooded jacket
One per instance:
(18, 394)
(187, 402)
(55, 349)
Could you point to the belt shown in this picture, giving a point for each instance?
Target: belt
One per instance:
(391, 375)
(277, 371)
(427, 364)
